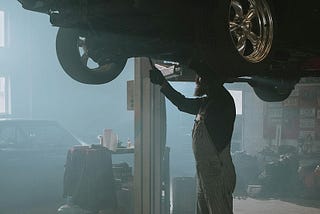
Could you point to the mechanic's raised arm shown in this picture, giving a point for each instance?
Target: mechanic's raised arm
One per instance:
(188, 105)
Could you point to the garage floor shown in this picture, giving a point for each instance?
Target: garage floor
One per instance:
(253, 206)
(244, 206)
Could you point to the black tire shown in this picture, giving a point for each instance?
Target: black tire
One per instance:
(217, 47)
(70, 58)
(273, 89)
(271, 94)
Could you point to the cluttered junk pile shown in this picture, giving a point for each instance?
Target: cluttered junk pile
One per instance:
(88, 180)
(280, 174)
(93, 184)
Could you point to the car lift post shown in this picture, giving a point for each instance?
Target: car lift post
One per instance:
(150, 136)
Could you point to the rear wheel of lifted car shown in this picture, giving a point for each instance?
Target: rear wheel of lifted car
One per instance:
(237, 37)
(240, 38)
(75, 57)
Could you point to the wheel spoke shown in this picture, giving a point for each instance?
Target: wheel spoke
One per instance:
(81, 42)
(236, 36)
(251, 14)
(252, 3)
(233, 26)
(241, 45)
(237, 8)
(254, 39)
(84, 59)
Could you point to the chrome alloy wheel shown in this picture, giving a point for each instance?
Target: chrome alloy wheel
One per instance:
(251, 28)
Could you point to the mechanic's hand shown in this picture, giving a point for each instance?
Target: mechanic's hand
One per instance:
(156, 77)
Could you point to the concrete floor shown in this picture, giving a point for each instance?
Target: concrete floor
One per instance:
(243, 206)
(254, 206)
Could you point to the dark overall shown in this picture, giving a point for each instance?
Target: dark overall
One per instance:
(216, 173)
(215, 170)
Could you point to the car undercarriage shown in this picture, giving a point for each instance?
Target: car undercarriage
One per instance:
(260, 40)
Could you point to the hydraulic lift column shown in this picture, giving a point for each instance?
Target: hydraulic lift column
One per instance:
(150, 136)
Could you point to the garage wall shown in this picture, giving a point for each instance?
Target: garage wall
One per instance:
(41, 90)
(253, 122)
(251, 118)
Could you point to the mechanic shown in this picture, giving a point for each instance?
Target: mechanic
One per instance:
(211, 137)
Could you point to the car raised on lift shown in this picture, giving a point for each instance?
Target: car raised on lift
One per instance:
(270, 44)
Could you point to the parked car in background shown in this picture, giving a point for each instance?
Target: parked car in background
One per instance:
(32, 158)
(276, 41)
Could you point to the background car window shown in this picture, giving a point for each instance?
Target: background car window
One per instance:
(8, 136)
(26, 135)
(47, 135)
